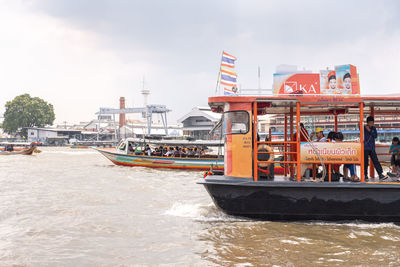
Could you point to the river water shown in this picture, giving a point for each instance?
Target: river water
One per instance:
(66, 207)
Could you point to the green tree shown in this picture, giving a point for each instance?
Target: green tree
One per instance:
(27, 111)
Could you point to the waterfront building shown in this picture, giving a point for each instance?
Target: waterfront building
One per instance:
(199, 122)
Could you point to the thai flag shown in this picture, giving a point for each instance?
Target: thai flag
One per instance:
(230, 72)
(231, 92)
(228, 56)
(228, 84)
(228, 92)
(227, 60)
(228, 78)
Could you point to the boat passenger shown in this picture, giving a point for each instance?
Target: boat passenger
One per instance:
(148, 150)
(170, 152)
(130, 148)
(346, 167)
(370, 134)
(181, 152)
(331, 136)
(319, 133)
(202, 152)
(395, 159)
(163, 150)
(190, 153)
(196, 152)
(9, 148)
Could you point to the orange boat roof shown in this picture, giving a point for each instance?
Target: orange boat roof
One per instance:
(312, 103)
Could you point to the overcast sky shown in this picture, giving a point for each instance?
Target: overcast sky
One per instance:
(84, 54)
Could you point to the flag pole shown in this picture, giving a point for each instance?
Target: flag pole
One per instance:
(219, 74)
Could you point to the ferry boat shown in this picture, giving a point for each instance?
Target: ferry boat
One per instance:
(124, 154)
(241, 191)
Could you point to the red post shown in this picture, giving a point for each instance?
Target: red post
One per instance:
(270, 134)
(362, 141)
(291, 139)
(122, 115)
(330, 172)
(285, 148)
(255, 146)
(336, 127)
(298, 141)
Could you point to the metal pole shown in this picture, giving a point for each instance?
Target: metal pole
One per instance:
(255, 146)
(149, 117)
(285, 148)
(291, 139)
(298, 141)
(98, 125)
(115, 130)
(219, 74)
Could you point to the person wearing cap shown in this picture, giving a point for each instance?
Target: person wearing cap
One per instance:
(319, 133)
(370, 134)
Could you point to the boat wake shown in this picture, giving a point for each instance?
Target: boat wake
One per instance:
(201, 212)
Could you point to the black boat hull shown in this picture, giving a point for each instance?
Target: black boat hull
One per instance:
(271, 200)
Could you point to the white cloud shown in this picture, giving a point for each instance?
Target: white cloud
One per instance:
(83, 55)
(48, 58)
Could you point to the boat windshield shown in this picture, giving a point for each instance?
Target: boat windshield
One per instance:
(122, 146)
(236, 122)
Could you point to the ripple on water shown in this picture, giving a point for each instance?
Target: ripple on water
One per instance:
(67, 207)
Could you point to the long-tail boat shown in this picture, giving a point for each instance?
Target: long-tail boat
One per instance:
(9, 149)
(241, 191)
(124, 154)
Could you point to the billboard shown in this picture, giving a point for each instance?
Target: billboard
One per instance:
(341, 81)
(330, 152)
(347, 79)
(296, 83)
(328, 82)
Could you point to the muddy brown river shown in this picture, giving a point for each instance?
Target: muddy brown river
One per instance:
(73, 207)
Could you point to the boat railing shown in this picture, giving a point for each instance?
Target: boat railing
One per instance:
(289, 146)
(283, 151)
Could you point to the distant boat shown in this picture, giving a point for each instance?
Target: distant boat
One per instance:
(23, 151)
(80, 147)
(121, 156)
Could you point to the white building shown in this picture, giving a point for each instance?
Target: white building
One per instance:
(52, 136)
(199, 122)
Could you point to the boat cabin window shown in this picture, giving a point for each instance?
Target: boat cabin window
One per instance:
(122, 146)
(236, 122)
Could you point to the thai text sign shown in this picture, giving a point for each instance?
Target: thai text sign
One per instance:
(330, 152)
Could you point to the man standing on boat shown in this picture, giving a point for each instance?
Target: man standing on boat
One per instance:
(319, 133)
(370, 134)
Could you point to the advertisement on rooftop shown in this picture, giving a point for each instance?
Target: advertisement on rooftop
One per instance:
(299, 83)
(341, 81)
